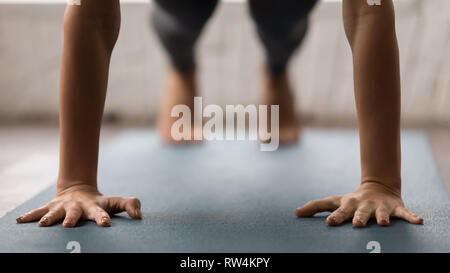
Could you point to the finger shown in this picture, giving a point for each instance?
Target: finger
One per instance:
(131, 205)
(312, 207)
(405, 214)
(72, 217)
(52, 217)
(362, 216)
(100, 216)
(342, 214)
(382, 215)
(33, 215)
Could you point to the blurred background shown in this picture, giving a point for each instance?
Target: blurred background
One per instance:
(230, 59)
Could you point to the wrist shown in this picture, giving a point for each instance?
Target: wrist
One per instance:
(67, 185)
(387, 184)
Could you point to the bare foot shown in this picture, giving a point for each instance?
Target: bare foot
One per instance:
(180, 89)
(278, 91)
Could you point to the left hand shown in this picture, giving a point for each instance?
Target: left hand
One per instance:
(368, 201)
(82, 202)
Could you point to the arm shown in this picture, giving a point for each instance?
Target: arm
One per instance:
(90, 33)
(370, 31)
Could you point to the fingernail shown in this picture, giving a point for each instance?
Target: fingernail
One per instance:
(105, 221)
(138, 213)
(19, 218)
(43, 221)
(331, 221)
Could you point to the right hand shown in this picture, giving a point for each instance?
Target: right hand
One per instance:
(82, 202)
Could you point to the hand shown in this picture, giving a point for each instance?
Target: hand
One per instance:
(82, 202)
(369, 200)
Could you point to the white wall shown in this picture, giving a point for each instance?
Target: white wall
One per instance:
(230, 63)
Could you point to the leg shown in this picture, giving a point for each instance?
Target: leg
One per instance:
(281, 26)
(178, 25)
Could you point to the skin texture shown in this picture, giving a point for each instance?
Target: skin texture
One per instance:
(181, 88)
(90, 32)
(371, 34)
(278, 91)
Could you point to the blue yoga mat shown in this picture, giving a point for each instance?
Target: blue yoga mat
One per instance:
(231, 197)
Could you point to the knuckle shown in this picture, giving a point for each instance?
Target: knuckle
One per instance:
(72, 206)
(364, 209)
(352, 200)
(344, 211)
(52, 204)
(78, 208)
(50, 214)
(99, 211)
(98, 203)
(50, 217)
(28, 214)
(136, 201)
(92, 204)
(104, 216)
(335, 200)
(91, 207)
(358, 214)
(412, 213)
(382, 210)
(56, 208)
(370, 203)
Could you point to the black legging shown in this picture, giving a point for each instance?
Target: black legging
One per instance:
(281, 26)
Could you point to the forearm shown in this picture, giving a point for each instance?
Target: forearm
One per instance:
(371, 34)
(90, 32)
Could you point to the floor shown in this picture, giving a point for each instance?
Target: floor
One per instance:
(29, 159)
(230, 57)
